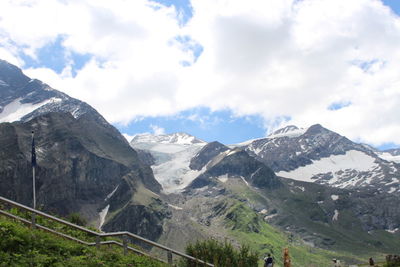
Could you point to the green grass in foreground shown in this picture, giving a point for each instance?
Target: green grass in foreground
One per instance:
(22, 246)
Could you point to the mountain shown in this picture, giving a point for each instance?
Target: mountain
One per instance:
(175, 138)
(234, 196)
(393, 152)
(84, 164)
(206, 154)
(22, 99)
(171, 156)
(319, 155)
(390, 155)
(221, 163)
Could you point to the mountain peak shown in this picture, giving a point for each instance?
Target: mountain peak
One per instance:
(11, 76)
(289, 131)
(174, 138)
(23, 98)
(286, 129)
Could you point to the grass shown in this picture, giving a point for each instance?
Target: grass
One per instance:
(22, 246)
(249, 228)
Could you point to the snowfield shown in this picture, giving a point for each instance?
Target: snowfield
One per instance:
(352, 160)
(172, 158)
(389, 157)
(16, 110)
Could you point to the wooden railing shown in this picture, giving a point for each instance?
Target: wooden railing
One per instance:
(122, 235)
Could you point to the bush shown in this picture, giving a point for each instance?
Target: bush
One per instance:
(221, 254)
(75, 218)
(392, 261)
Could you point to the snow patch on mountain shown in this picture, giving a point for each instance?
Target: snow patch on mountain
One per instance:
(392, 231)
(3, 83)
(389, 157)
(172, 154)
(244, 180)
(394, 181)
(288, 131)
(15, 110)
(392, 190)
(352, 160)
(335, 216)
(175, 207)
(175, 138)
(111, 194)
(223, 178)
(102, 215)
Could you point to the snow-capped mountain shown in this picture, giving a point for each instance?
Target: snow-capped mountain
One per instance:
(390, 155)
(211, 180)
(23, 98)
(175, 138)
(289, 131)
(319, 155)
(315, 154)
(84, 164)
(172, 154)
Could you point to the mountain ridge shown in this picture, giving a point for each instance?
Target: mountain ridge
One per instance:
(84, 164)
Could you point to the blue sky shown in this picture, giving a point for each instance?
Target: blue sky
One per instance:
(225, 71)
(209, 126)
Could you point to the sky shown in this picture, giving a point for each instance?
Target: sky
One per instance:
(217, 69)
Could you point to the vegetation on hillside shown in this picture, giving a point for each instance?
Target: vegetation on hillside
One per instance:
(392, 261)
(22, 246)
(221, 254)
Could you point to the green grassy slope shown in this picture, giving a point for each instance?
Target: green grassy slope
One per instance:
(22, 246)
(248, 227)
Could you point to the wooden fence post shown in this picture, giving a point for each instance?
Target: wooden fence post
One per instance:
(169, 256)
(97, 241)
(125, 243)
(33, 220)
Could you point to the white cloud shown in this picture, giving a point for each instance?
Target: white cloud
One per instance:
(157, 130)
(276, 58)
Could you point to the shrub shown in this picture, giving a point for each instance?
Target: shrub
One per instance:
(392, 261)
(221, 254)
(75, 218)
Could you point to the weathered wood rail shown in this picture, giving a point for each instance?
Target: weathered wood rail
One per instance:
(122, 235)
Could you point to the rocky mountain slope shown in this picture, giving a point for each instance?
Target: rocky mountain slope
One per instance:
(235, 196)
(84, 164)
(224, 163)
(319, 155)
(23, 98)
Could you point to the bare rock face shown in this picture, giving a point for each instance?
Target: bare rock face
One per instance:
(238, 164)
(146, 157)
(146, 221)
(75, 166)
(83, 163)
(207, 153)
